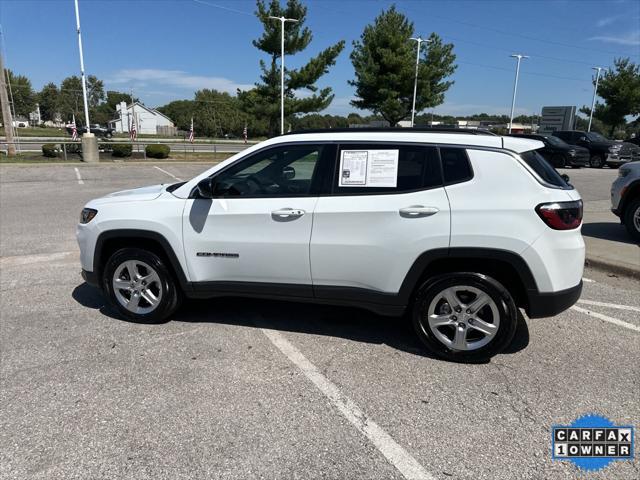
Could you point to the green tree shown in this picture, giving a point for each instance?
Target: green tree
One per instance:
(48, 99)
(619, 87)
(24, 98)
(180, 112)
(384, 63)
(263, 101)
(71, 102)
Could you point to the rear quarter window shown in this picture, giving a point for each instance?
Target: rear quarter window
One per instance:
(545, 171)
(455, 165)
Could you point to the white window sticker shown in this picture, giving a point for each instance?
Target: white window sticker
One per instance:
(369, 168)
(353, 168)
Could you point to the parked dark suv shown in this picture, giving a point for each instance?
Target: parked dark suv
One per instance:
(97, 130)
(559, 153)
(601, 150)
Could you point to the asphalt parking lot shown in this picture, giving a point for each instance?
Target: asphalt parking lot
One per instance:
(260, 389)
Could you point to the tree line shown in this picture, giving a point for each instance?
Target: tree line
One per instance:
(384, 62)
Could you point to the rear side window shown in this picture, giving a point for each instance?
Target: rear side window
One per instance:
(544, 170)
(418, 169)
(455, 164)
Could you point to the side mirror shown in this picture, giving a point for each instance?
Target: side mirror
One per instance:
(566, 178)
(583, 139)
(206, 187)
(288, 173)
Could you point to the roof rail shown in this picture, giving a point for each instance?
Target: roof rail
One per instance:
(434, 129)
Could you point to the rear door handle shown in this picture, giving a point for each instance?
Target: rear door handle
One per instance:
(287, 214)
(415, 211)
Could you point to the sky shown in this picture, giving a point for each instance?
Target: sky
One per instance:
(164, 50)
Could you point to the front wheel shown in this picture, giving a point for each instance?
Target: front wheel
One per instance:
(464, 317)
(140, 286)
(632, 219)
(596, 161)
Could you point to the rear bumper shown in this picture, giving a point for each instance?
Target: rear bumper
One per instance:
(549, 304)
(91, 278)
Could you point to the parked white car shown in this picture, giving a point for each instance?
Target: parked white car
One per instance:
(625, 198)
(458, 229)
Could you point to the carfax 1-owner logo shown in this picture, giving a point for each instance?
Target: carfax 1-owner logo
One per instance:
(592, 442)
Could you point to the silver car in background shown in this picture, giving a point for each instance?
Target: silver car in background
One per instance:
(625, 198)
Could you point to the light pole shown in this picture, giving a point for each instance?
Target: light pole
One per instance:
(282, 22)
(515, 87)
(419, 41)
(595, 90)
(84, 81)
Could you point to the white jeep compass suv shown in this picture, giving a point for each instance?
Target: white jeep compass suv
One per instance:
(456, 228)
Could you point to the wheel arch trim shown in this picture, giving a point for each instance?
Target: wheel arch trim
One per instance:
(421, 265)
(167, 249)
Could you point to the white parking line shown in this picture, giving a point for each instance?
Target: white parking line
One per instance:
(607, 318)
(609, 305)
(588, 280)
(392, 451)
(168, 173)
(35, 258)
(80, 181)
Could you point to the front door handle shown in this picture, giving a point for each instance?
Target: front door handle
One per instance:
(415, 211)
(287, 214)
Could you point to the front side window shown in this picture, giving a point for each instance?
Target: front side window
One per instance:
(380, 168)
(285, 171)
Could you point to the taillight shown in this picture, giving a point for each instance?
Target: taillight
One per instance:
(561, 215)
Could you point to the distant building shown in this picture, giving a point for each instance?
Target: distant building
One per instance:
(148, 120)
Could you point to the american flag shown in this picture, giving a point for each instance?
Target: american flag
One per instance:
(244, 133)
(74, 130)
(191, 131)
(133, 133)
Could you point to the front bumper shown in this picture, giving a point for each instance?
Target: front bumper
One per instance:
(91, 278)
(615, 159)
(550, 304)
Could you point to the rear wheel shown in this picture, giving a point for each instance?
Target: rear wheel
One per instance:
(140, 286)
(464, 317)
(596, 161)
(632, 219)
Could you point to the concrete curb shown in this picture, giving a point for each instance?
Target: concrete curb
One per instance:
(608, 266)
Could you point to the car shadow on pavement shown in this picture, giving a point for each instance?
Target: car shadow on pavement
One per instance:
(341, 322)
(607, 231)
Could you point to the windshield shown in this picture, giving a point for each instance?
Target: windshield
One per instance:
(544, 170)
(596, 137)
(555, 141)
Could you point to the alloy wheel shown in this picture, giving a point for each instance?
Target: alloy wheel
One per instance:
(463, 318)
(137, 286)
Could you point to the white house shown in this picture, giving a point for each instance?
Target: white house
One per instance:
(148, 120)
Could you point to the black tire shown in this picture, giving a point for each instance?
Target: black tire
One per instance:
(502, 300)
(170, 296)
(596, 161)
(559, 161)
(630, 212)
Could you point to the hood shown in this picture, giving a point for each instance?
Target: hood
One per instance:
(138, 194)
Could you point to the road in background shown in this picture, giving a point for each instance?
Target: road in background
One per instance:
(213, 393)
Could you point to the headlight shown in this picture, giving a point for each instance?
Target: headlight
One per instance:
(623, 172)
(572, 153)
(87, 215)
(615, 148)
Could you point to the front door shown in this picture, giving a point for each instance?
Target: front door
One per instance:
(257, 229)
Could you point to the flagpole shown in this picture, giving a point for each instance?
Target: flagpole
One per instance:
(84, 81)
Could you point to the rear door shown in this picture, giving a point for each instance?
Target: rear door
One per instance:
(386, 206)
